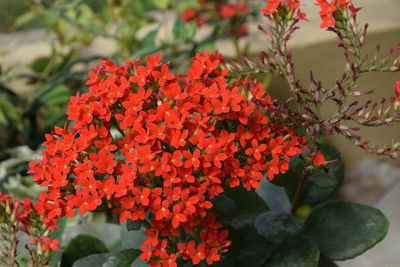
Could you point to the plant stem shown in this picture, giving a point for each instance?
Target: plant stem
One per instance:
(298, 194)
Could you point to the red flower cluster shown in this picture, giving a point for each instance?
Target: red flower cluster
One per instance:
(217, 11)
(330, 12)
(287, 6)
(159, 146)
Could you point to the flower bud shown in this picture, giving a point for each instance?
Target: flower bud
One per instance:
(397, 105)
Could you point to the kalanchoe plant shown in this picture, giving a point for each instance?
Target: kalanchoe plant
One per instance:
(181, 158)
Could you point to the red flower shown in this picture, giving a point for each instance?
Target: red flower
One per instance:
(318, 159)
(182, 139)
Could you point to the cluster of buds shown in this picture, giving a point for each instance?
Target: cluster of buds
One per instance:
(220, 11)
(16, 216)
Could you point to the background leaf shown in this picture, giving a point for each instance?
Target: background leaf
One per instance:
(80, 247)
(149, 40)
(179, 28)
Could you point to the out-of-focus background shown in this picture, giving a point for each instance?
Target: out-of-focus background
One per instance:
(47, 48)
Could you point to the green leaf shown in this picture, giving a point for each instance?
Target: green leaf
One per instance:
(92, 260)
(254, 249)
(40, 64)
(133, 225)
(161, 4)
(298, 253)
(296, 166)
(344, 230)
(132, 239)
(225, 206)
(24, 19)
(275, 196)
(324, 262)
(23, 261)
(57, 234)
(278, 226)
(248, 205)
(11, 112)
(123, 258)
(115, 246)
(149, 39)
(320, 186)
(139, 263)
(81, 246)
(60, 94)
(229, 259)
(179, 28)
(3, 119)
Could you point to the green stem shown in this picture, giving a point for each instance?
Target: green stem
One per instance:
(298, 194)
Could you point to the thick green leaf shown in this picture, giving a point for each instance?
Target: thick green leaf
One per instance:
(92, 260)
(254, 249)
(229, 259)
(133, 225)
(122, 258)
(298, 253)
(278, 226)
(132, 239)
(248, 205)
(275, 196)
(139, 263)
(344, 230)
(179, 28)
(324, 262)
(225, 206)
(320, 186)
(296, 166)
(149, 39)
(81, 246)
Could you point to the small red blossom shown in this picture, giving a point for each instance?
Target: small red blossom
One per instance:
(318, 159)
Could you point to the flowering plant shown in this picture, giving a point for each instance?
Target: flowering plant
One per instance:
(207, 166)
